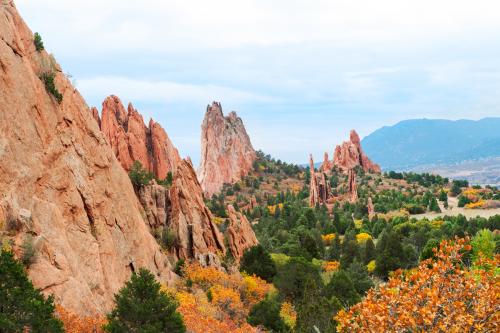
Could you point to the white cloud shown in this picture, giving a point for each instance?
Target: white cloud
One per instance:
(163, 91)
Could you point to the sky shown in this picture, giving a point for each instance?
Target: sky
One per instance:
(300, 73)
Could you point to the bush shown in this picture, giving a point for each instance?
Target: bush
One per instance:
(142, 307)
(292, 277)
(267, 314)
(168, 238)
(257, 260)
(463, 200)
(139, 176)
(22, 307)
(169, 179)
(28, 251)
(50, 86)
(38, 42)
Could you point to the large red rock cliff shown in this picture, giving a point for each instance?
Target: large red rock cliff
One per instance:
(61, 182)
(226, 151)
(132, 141)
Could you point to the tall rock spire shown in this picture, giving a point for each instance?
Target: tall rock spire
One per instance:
(350, 154)
(227, 154)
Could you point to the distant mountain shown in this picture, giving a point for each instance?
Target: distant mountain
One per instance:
(413, 143)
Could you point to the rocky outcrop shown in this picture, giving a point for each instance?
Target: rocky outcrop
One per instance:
(61, 184)
(371, 209)
(319, 188)
(240, 234)
(352, 186)
(192, 221)
(327, 165)
(349, 154)
(132, 141)
(227, 154)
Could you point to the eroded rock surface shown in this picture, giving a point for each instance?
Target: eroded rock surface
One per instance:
(227, 154)
(240, 234)
(349, 154)
(62, 184)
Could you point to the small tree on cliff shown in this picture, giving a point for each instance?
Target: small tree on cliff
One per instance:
(139, 176)
(22, 307)
(142, 307)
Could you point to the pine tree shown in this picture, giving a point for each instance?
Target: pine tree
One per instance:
(22, 307)
(257, 260)
(142, 307)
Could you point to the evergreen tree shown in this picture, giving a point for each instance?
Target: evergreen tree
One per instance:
(22, 307)
(315, 312)
(292, 277)
(434, 206)
(256, 260)
(342, 287)
(370, 252)
(143, 308)
(359, 277)
(267, 314)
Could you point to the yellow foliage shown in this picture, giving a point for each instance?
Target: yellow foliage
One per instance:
(437, 223)
(228, 300)
(218, 220)
(255, 289)
(363, 237)
(272, 209)
(328, 238)
(280, 259)
(477, 204)
(358, 224)
(6, 245)
(471, 192)
(288, 314)
(371, 266)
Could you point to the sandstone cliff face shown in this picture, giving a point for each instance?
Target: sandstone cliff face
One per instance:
(132, 141)
(226, 151)
(352, 185)
(60, 179)
(240, 234)
(349, 154)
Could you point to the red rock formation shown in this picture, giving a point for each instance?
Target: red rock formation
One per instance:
(61, 181)
(240, 234)
(227, 154)
(132, 141)
(327, 165)
(371, 209)
(319, 187)
(95, 114)
(350, 154)
(352, 186)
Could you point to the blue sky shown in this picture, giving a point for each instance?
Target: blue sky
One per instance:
(301, 73)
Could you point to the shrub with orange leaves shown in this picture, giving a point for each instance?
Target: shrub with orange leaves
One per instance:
(331, 266)
(216, 301)
(288, 314)
(328, 238)
(438, 296)
(272, 209)
(76, 324)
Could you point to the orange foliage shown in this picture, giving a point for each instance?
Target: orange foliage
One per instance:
(76, 324)
(231, 298)
(477, 204)
(438, 296)
(288, 314)
(331, 266)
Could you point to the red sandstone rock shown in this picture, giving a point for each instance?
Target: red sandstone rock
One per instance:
(132, 141)
(350, 154)
(327, 164)
(371, 209)
(227, 154)
(95, 114)
(60, 178)
(352, 186)
(240, 234)
(319, 187)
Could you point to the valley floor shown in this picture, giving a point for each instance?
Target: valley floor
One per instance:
(454, 210)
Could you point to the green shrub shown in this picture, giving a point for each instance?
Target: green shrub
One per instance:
(22, 307)
(463, 200)
(28, 248)
(139, 176)
(38, 42)
(179, 267)
(168, 238)
(167, 182)
(256, 260)
(142, 307)
(50, 86)
(267, 314)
